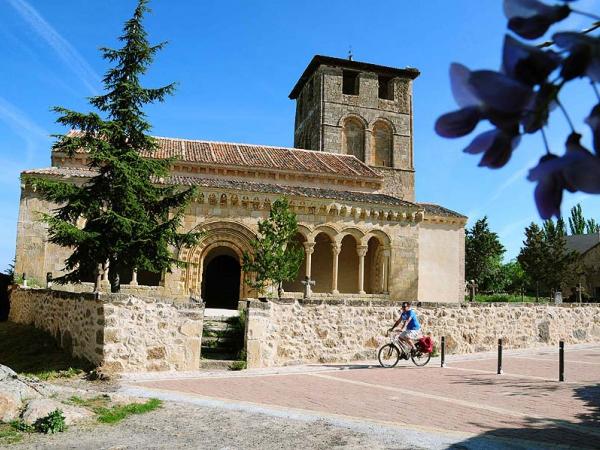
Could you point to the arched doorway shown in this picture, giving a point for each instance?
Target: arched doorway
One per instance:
(221, 278)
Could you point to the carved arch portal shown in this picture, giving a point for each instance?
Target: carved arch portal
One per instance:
(233, 238)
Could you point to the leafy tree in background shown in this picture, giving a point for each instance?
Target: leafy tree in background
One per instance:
(128, 220)
(513, 277)
(577, 221)
(276, 256)
(578, 224)
(519, 99)
(483, 256)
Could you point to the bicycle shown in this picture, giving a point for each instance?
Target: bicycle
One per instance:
(390, 353)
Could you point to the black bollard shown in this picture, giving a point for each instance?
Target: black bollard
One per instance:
(500, 372)
(443, 352)
(561, 361)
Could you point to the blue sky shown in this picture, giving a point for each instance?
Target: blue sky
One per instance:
(236, 61)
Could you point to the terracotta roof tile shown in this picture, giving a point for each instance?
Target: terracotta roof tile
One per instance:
(259, 156)
(299, 191)
(437, 210)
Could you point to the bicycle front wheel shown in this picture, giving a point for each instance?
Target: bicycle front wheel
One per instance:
(420, 359)
(388, 355)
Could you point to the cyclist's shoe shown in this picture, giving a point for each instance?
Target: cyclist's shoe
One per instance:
(413, 351)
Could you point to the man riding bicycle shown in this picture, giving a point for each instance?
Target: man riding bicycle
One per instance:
(410, 329)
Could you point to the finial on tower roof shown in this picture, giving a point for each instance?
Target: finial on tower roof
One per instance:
(350, 55)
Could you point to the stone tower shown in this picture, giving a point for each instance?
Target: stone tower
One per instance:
(345, 106)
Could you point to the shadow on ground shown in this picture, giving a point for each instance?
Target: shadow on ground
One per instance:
(28, 350)
(546, 432)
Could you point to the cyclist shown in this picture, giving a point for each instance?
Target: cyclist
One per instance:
(410, 329)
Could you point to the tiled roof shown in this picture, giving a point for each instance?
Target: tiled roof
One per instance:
(299, 191)
(320, 60)
(437, 210)
(581, 243)
(261, 156)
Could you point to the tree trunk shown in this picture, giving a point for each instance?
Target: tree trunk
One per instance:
(280, 289)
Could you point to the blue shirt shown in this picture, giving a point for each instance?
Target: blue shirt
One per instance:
(414, 323)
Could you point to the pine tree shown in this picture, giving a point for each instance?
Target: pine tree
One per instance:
(533, 256)
(276, 256)
(129, 221)
(560, 263)
(483, 255)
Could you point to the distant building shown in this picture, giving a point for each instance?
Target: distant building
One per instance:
(350, 179)
(588, 248)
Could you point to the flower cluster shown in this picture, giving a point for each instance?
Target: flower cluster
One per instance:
(519, 98)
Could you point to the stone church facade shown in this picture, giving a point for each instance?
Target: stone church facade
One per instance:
(349, 179)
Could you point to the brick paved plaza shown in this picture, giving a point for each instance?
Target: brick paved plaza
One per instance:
(466, 401)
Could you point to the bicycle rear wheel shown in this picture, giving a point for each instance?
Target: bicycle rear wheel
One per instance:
(388, 355)
(420, 359)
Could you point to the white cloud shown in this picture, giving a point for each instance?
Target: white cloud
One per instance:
(66, 52)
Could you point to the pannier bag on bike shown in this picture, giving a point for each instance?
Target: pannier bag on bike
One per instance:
(426, 344)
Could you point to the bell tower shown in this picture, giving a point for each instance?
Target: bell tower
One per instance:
(352, 107)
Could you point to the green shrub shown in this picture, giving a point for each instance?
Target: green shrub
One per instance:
(238, 365)
(52, 423)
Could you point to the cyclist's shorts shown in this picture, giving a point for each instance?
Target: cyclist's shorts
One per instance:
(411, 334)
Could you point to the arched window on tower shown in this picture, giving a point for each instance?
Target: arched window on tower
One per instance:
(383, 144)
(353, 138)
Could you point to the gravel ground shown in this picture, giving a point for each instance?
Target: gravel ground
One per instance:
(187, 426)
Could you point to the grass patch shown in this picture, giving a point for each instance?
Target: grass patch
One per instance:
(32, 352)
(114, 414)
(9, 435)
(118, 413)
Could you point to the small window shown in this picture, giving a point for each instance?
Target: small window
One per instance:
(386, 88)
(350, 82)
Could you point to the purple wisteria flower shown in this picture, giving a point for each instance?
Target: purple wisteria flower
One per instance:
(584, 55)
(494, 96)
(527, 63)
(577, 170)
(530, 19)
(496, 145)
(593, 120)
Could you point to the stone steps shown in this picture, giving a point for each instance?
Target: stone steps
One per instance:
(222, 341)
(215, 364)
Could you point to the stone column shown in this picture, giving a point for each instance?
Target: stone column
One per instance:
(385, 271)
(309, 248)
(362, 252)
(134, 281)
(105, 283)
(336, 248)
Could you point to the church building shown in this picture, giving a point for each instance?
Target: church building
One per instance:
(350, 179)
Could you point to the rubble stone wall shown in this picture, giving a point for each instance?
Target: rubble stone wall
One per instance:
(119, 332)
(288, 331)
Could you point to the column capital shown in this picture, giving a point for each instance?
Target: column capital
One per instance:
(386, 251)
(336, 248)
(361, 250)
(309, 247)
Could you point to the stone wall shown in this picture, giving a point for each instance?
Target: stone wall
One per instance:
(441, 262)
(119, 332)
(302, 331)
